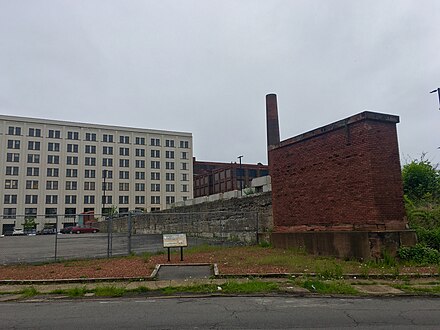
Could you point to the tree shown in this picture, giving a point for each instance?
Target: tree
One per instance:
(421, 180)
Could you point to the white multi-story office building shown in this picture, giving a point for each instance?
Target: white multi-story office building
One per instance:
(50, 168)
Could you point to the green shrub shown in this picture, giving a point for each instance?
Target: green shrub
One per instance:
(420, 253)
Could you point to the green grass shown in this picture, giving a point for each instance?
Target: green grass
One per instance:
(29, 292)
(328, 287)
(435, 289)
(109, 291)
(231, 287)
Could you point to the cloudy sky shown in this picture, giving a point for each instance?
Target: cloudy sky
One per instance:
(205, 66)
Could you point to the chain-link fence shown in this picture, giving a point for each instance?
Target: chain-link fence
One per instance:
(43, 238)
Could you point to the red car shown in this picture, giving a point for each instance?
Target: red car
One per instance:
(79, 230)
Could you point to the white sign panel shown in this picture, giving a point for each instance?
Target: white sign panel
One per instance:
(174, 240)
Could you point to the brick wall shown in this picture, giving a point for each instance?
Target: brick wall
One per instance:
(343, 176)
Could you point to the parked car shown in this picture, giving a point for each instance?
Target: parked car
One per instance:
(80, 230)
(47, 231)
(66, 230)
(18, 232)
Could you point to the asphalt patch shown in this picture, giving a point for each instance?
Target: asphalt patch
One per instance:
(184, 272)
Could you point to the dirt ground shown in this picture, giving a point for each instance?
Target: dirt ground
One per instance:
(242, 260)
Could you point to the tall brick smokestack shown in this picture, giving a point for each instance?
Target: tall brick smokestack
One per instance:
(273, 130)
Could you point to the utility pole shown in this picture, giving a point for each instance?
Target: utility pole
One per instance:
(241, 176)
(438, 92)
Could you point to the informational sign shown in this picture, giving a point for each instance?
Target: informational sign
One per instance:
(174, 240)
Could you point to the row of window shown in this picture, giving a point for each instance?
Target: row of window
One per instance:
(88, 199)
(123, 139)
(91, 149)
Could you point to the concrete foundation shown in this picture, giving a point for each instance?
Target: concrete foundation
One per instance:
(363, 245)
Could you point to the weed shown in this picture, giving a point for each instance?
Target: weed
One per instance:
(76, 291)
(109, 291)
(29, 292)
(265, 244)
(252, 286)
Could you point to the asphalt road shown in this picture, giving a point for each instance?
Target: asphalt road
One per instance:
(42, 248)
(224, 313)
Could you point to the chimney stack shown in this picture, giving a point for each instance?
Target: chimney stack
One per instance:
(273, 130)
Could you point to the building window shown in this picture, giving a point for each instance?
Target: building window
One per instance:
(72, 148)
(10, 199)
(155, 142)
(107, 199)
(33, 171)
(52, 159)
(70, 212)
(124, 139)
(90, 149)
(169, 154)
(124, 163)
(34, 145)
(33, 158)
(31, 199)
(170, 199)
(123, 199)
(108, 174)
(53, 172)
(89, 173)
(89, 199)
(90, 136)
(50, 212)
(72, 136)
(72, 173)
(12, 157)
(169, 187)
(9, 213)
(53, 146)
(124, 175)
(14, 130)
(139, 199)
(140, 140)
(107, 150)
(107, 162)
(89, 185)
(139, 187)
(11, 184)
(90, 161)
(30, 212)
(140, 163)
(72, 160)
(155, 187)
(184, 144)
(13, 144)
(155, 199)
(51, 199)
(107, 186)
(155, 175)
(54, 134)
(36, 132)
(124, 186)
(71, 185)
(155, 153)
(184, 166)
(184, 177)
(11, 170)
(70, 199)
(124, 151)
(51, 185)
(140, 152)
(31, 184)
(184, 155)
(169, 165)
(184, 188)
(169, 143)
(107, 138)
(155, 164)
(140, 175)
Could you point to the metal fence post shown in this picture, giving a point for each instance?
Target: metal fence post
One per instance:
(258, 239)
(56, 240)
(129, 232)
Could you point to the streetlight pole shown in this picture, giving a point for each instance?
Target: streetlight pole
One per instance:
(104, 187)
(438, 92)
(241, 176)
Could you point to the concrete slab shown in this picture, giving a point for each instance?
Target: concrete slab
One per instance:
(377, 289)
(184, 272)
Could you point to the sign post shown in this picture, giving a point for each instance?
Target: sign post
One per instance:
(173, 241)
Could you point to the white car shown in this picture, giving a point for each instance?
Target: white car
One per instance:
(18, 232)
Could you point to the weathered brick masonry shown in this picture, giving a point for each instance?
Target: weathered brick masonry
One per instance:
(344, 176)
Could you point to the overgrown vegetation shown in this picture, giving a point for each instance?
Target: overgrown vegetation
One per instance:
(421, 185)
(328, 287)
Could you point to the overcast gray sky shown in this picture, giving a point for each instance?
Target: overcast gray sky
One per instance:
(205, 67)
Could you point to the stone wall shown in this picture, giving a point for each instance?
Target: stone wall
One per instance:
(237, 219)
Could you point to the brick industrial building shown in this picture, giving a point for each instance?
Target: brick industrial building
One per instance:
(338, 189)
(53, 167)
(216, 177)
